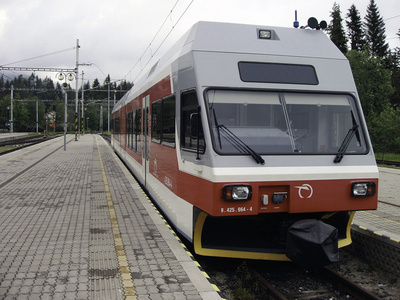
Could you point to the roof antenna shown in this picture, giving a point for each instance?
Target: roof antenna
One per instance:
(313, 24)
(295, 23)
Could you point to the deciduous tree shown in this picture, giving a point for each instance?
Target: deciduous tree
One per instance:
(373, 81)
(385, 131)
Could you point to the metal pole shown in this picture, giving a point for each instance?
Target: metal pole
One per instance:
(65, 120)
(83, 90)
(11, 110)
(37, 117)
(101, 119)
(108, 108)
(76, 89)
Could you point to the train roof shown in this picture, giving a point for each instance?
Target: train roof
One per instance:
(242, 38)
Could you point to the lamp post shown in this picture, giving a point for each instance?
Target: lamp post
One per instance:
(75, 75)
(65, 118)
(76, 89)
(108, 107)
(11, 110)
(62, 76)
(82, 106)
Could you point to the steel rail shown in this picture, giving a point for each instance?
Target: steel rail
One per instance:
(352, 288)
(388, 162)
(339, 281)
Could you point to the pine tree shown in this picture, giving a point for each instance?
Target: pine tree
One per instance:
(107, 80)
(375, 31)
(354, 29)
(2, 82)
(336, 30)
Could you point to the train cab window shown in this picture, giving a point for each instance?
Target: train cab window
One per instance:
(156, 121)
(168, 121)
(284, 123)
(192, 129)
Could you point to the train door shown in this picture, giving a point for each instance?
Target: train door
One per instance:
(146, 138)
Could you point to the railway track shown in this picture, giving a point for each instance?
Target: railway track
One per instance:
(24, 142)
(388, 163)
(107, 137)
(336, 283)
(352, 278)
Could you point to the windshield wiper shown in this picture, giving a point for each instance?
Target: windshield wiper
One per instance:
(288, 122)
(236, 142)
(345, 143)
(239, 144)
(217, 125)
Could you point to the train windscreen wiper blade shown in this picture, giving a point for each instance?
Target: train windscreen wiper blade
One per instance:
(345, 143)
(217, 126)
(239, 144)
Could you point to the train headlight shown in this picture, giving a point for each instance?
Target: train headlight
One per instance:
(363, 189)
(264, 34)
(236, 192)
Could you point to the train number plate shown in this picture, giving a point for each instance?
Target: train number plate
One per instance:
(241, 209)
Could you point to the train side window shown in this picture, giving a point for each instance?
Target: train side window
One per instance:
(137, 130)
(117, 128)
(129, 129)
(192, 132)
(156, 122)
(168, 121)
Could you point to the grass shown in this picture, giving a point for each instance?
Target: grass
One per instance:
(5, 148)
(388, 156)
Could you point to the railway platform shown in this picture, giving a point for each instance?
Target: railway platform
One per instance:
(376, 234)
(74, 224)
(385, 220)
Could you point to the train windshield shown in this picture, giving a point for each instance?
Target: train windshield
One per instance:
(284, 123)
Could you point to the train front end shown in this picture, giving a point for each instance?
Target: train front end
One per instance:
(292, 169)
(281, 157)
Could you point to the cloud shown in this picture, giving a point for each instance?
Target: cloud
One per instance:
(114, 35)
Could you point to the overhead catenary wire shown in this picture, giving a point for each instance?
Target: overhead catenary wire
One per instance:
(391, 18)
(40, 56)
(139, 61)
(162, 25)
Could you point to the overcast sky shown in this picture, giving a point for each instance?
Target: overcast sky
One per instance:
(113, 35)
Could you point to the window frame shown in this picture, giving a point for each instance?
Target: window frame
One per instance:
(156, 121)
(191, 109)
(169, 142)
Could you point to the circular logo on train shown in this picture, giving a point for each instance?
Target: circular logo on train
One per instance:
(305, 190)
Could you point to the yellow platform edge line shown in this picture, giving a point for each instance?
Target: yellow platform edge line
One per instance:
(126, 277)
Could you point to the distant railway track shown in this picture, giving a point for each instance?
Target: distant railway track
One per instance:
(388, 163)
(32, 140)
(24, 142)
(107, 137)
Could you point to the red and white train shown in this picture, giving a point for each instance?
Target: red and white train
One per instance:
(252, 141)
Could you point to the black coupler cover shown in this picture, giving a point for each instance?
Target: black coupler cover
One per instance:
(312, 243)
